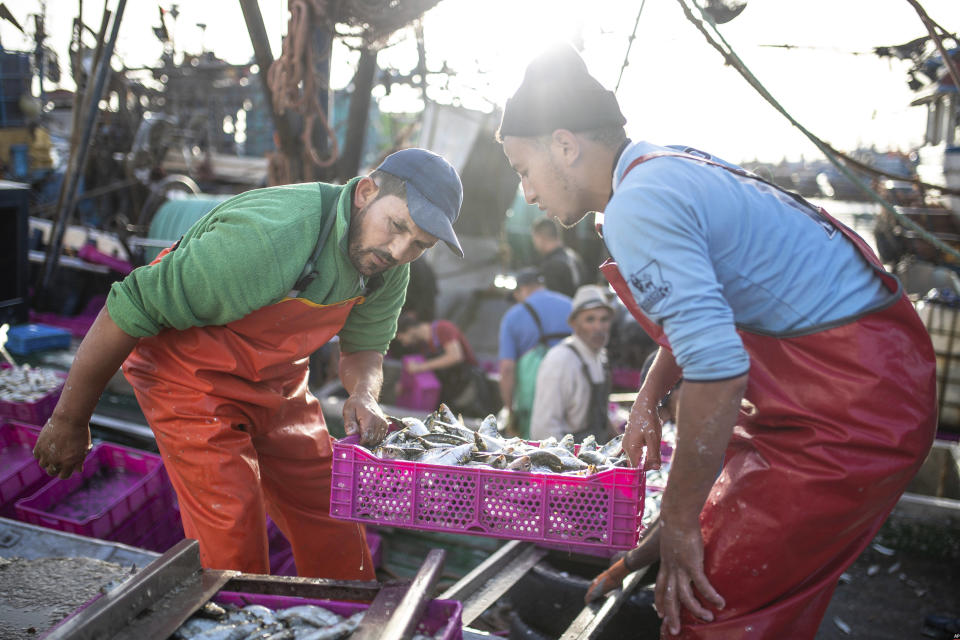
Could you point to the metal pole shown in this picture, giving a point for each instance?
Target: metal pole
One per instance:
(349, 163)
(264, 58)
(66, 214)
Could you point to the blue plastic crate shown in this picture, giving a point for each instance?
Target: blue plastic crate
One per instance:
(27, 338)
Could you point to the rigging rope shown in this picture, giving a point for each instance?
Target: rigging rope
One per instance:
(633, 36)
(294, 84)
(831, 154)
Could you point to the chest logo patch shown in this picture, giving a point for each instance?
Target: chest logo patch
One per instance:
(649, 286)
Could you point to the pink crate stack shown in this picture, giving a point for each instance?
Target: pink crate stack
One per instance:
(20, 475)
(442, 618)
(602, 511)
(140, 522)
(34, 413)
(418, 390)
(115, 483)
(164, 533)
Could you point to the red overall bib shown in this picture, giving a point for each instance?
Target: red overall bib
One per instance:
(842, 418)
(240, 434)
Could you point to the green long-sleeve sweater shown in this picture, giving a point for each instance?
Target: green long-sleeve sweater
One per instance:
(247, 253)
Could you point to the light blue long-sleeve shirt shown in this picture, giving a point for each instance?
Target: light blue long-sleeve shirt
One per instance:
(705, 251)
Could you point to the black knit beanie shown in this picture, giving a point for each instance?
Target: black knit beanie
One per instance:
(559, 93)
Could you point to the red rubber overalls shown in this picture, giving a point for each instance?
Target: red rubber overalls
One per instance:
(842, 418)
(240, 433)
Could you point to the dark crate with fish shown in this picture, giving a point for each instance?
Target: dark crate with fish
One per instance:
(439, 475)
(242, 615)
(29, 394)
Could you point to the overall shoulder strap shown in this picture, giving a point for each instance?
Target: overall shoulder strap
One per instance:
(536, 319)
(309, 273)
(583, 363)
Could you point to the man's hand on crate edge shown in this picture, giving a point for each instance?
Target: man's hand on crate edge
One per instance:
(62, 447)
(362, 414)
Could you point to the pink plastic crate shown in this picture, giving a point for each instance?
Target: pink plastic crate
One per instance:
(140, 522)
(20, 475)
(78, 326)
(164, 534)
(115, 482)
(600, 511)
(442, 619)
(418, 390)
(285, 565)
(33, 413)
(281, 555)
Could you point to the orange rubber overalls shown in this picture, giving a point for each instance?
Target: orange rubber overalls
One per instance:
(241, 436)
(842, 417)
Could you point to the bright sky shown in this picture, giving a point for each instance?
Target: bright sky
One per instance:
(675, 89)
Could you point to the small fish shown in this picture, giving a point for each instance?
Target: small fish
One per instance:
(473, 464)
(613, 448)
(500, 462)
(457, 430)
(449, 455)
(546, 459)
(491, 443)
(340, 630)
(593, 457)
(444, 438)
(195, 626)
(390, 452)
(310, 614)
(415, 426)
(393, 437)
(260, 612)
(489, 427)
(228, 632)
(520, 464)
(445, 414)
(212, 610)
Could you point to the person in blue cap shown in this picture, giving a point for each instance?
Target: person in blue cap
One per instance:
(215, 336)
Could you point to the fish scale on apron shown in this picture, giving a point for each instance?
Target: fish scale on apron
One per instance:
(842, 417)
(240, 433)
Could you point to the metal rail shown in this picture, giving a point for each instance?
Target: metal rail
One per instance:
(594, 617)
(500, 572)
(396, 611)
(493, 577)
(177, 569)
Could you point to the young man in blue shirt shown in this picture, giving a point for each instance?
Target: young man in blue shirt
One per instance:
(808, 377)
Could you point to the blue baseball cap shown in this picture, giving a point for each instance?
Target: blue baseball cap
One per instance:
(434, 191)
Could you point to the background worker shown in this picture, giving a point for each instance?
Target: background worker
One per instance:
(449, 355)
(215, 334)
(561, 267)
(752, 293)
(573, 384)
(535, 323)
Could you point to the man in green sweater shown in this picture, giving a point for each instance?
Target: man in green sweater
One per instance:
(215, 335)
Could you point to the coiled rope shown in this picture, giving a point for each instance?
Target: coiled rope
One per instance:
(294, 85)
